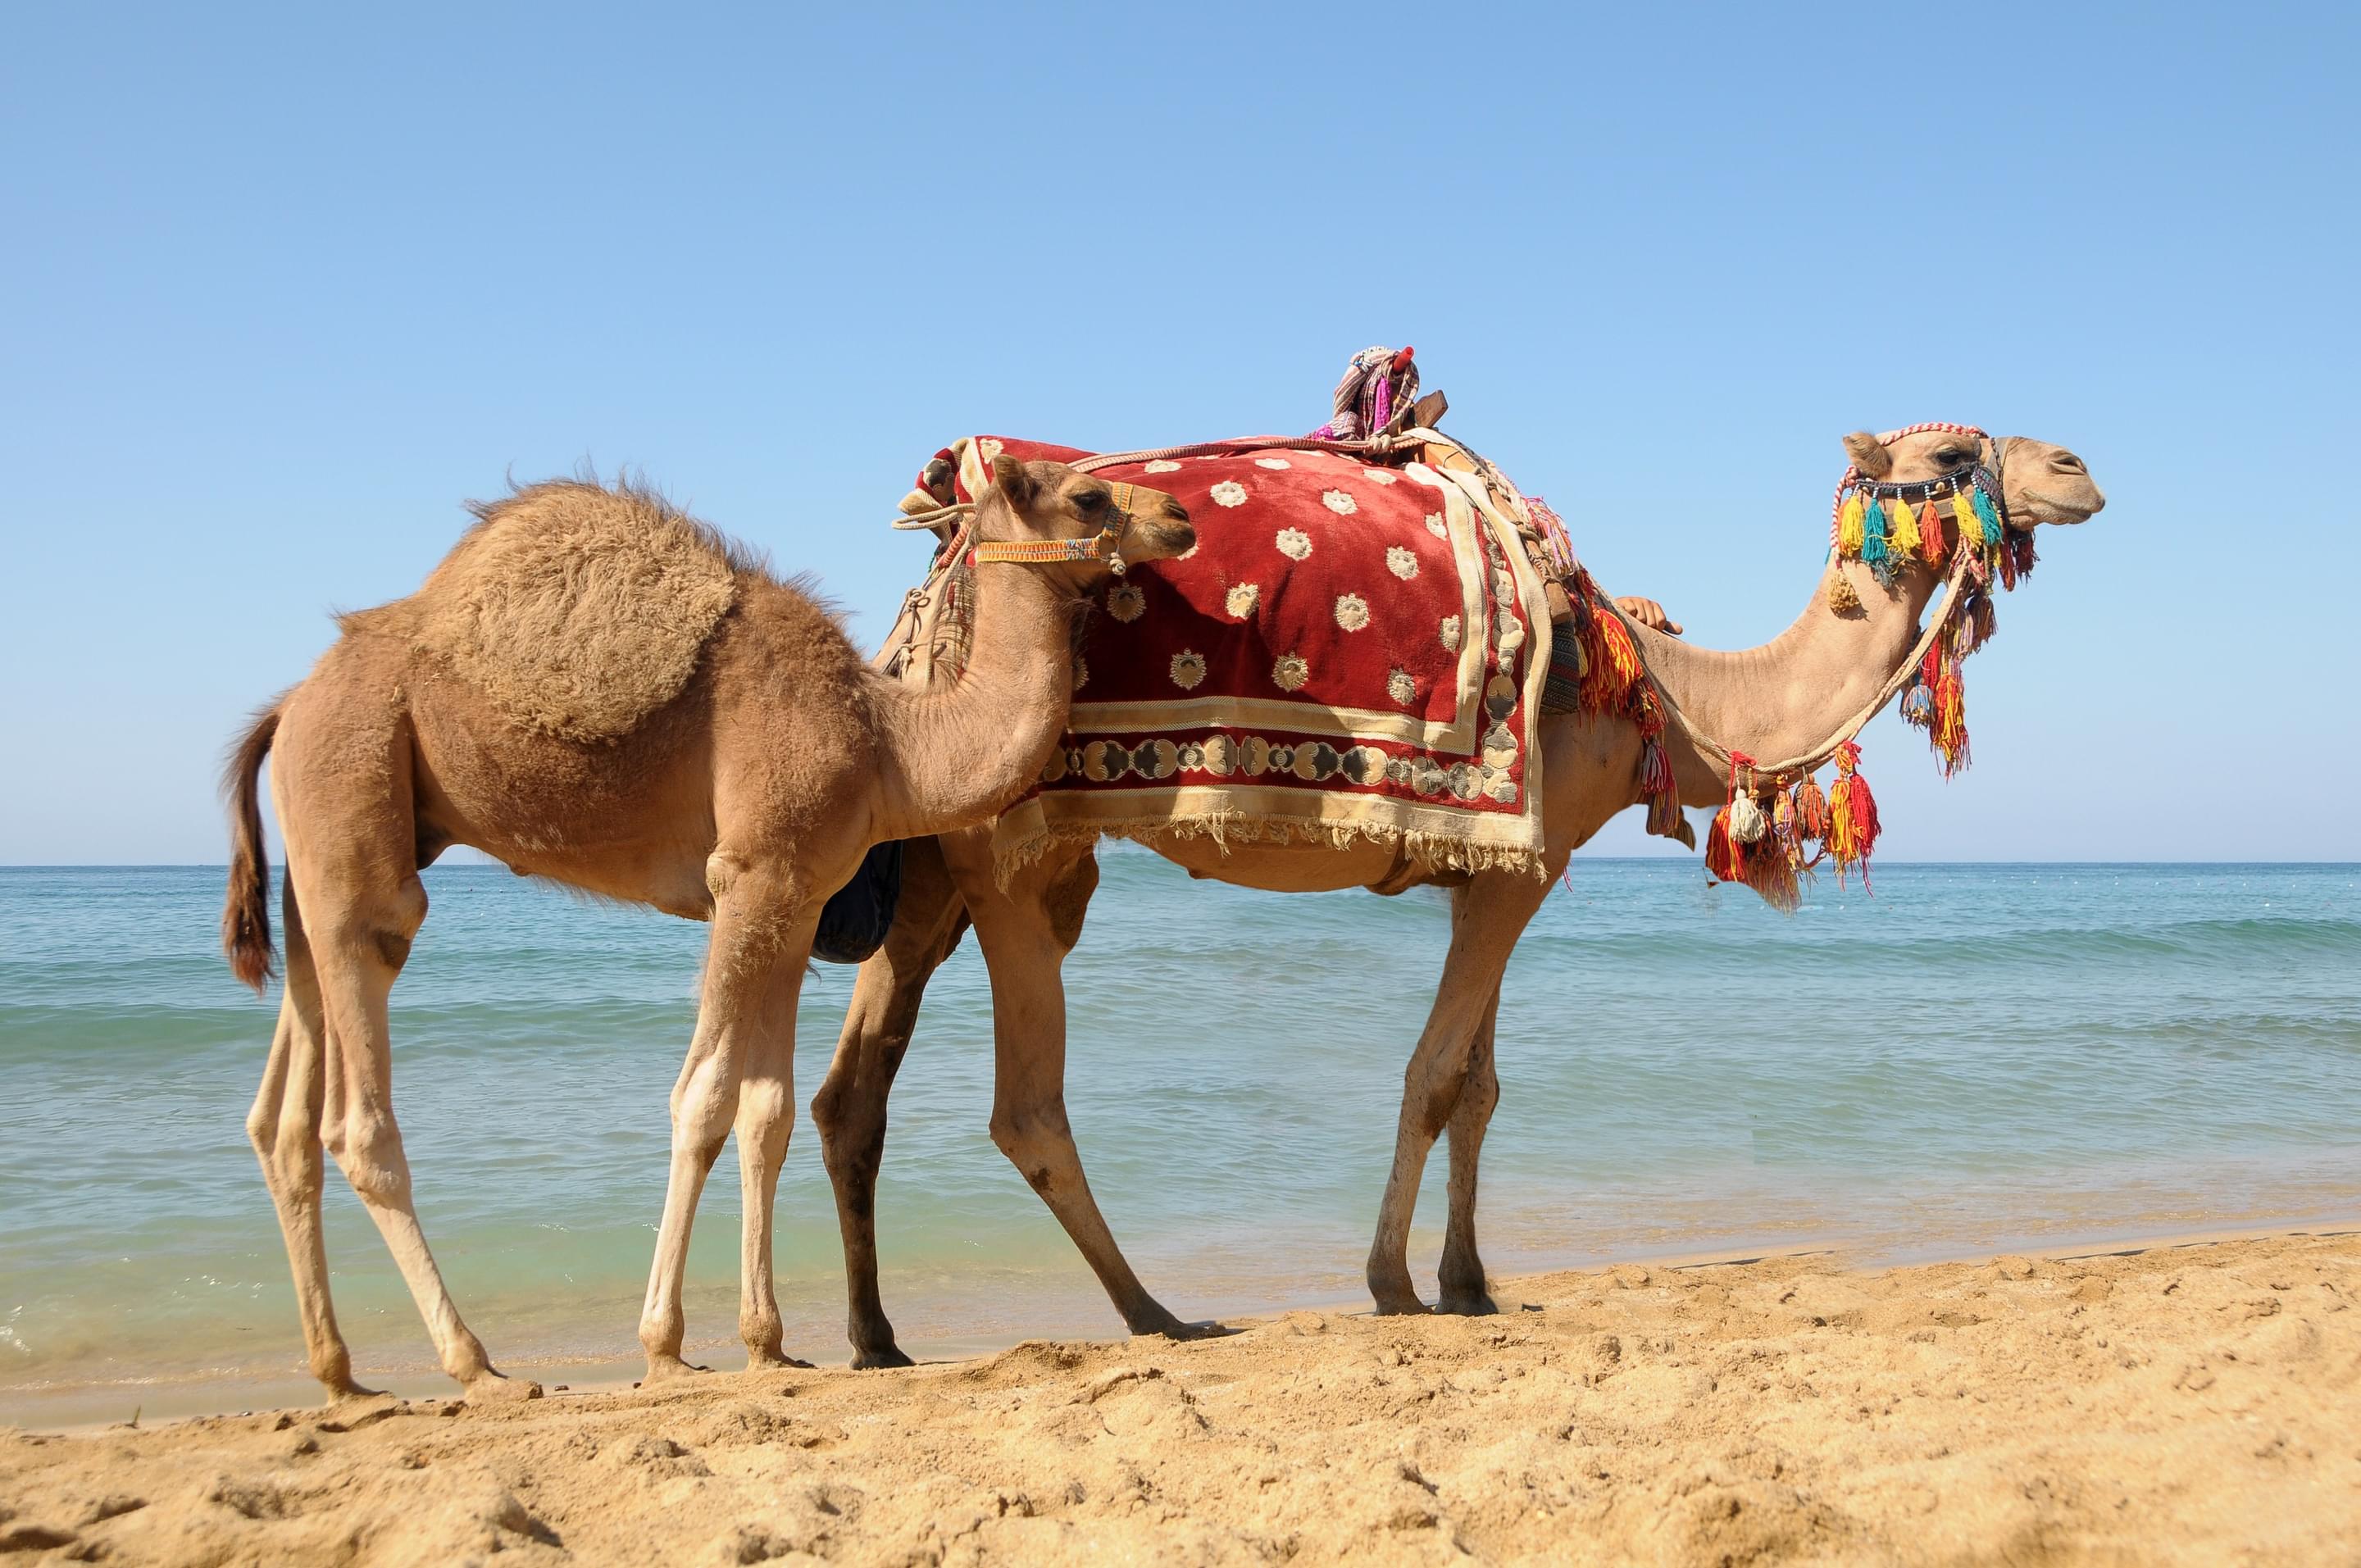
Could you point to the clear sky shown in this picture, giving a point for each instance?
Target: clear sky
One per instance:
(279, 288)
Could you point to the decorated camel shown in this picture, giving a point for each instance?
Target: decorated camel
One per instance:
(1932, 511)
(595, 688)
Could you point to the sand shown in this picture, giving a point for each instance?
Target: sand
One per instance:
(2189, 1404)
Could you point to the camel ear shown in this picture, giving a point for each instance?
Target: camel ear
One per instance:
(1013, 481)
(1869, 455)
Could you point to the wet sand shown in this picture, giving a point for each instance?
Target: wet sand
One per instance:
(2197, 1403)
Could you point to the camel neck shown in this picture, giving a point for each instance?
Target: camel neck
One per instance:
(1790, 695)
(960, 753)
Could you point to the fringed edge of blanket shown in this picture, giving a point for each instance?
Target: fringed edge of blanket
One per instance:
(1018, 844)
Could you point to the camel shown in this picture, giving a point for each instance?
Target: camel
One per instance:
(1776, 701)
(596, 689)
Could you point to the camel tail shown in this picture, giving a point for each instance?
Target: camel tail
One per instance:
(245, 915)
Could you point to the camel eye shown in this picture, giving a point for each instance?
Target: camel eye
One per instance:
(1951, 457)
(1091, 502)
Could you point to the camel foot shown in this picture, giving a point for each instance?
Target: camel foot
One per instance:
(348, 1391)
(774, 1360)
(887, 1355)
(1394, 1294)
(490, 1388)
(669, 1369)
(1465, 1304)
(1174, 1329)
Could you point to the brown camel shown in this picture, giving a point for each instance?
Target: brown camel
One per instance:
(596, 689)
(1778, 700)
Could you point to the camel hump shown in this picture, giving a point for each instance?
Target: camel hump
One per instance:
(578, 608)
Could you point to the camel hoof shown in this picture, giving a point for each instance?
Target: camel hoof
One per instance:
(880, 1359)
(773, 1361)
(493, 1389)
(1174, 1329)
(669, 1369)
(1479, 1305)
(1398, 1303)
(348, 1391)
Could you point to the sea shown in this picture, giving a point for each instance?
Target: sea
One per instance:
(1977, 1059)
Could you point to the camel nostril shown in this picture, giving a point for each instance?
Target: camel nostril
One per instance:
(2067, 463)
(1176, 512)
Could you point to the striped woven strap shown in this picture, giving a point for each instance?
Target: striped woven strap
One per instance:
(1100, 546)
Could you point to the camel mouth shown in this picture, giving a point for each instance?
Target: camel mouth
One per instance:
(2058, 509)
(1169, 539)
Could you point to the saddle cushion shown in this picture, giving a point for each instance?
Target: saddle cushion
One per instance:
(1350, 652)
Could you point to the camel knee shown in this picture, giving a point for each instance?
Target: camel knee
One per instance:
(368, 1151)
(1035, 1142)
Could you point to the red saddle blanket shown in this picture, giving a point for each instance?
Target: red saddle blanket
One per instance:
(1350, 652)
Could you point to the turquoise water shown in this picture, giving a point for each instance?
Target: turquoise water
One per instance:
(1978, 1057)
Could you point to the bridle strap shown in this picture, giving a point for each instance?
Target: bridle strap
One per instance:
(1103, 545)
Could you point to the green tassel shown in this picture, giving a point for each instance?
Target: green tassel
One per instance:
(1988, 512)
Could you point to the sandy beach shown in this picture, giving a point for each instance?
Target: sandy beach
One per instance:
(2192, 1403)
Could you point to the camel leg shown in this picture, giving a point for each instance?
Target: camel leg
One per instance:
(1486, 917)
(1025, 934)
(285, 1127)
(1462, 1275)
(850, 1109)
(745, 1028)
(359, 922)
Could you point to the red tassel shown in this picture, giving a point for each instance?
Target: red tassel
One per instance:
(1614, 662)
(2020, 551)
(1931, 534)
(1811, 811)
(1721, 854)
(1852, 815)
(1949, 730)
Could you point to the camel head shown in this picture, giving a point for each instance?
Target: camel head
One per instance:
(2041, 483)
(1051, 514)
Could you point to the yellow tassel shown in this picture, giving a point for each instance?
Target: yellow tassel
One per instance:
(1972, 527)
(1842, 598)
(1904, 533)
(1849, 529)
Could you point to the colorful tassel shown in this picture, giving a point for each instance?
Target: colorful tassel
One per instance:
(1664, 814)
(1852, 815)
(1904, 528)
(1948, 731)
(1972, 527)
(1613, 663)
(2020, 551)
(1811, 811)
(1747, 823)
(1844, 598)
(1987, 512)
(1917, 705)
(1774, 876)
(1931, 534)
(1849, 527)
(1655, 771)
(1873, 542)
(1721, 861)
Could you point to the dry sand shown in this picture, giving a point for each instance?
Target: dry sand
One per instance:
(2194, 1404)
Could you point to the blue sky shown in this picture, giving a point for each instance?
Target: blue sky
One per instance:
(283, 287)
